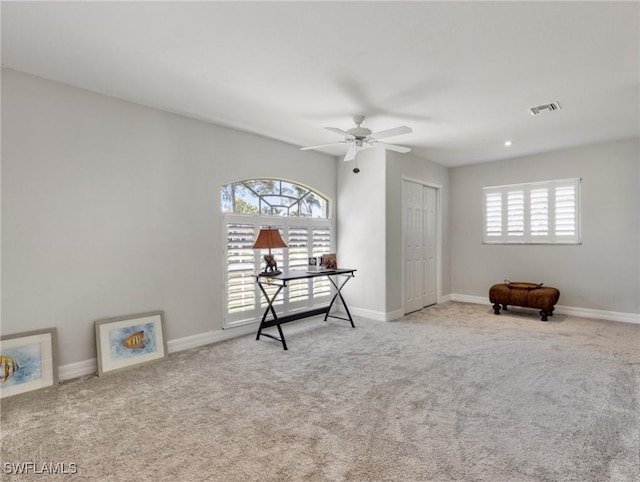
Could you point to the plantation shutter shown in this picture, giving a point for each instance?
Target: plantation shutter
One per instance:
(565, 211)
(515, 213)
(321, 244)
(298, 242)
(541, 212)
(493, 214)
(240, 267)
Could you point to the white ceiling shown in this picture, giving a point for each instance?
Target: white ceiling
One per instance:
(461, 74)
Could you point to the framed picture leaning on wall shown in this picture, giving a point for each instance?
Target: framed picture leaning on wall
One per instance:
(28, 362)
(126, 341)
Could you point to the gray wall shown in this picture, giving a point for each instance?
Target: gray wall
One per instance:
(602, 273)
(110, 208)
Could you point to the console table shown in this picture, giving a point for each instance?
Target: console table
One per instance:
(282, 281)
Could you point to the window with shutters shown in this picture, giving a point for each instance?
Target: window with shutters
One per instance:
(533, 213)
(301, 215)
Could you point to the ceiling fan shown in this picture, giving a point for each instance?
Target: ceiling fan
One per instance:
(359, 137)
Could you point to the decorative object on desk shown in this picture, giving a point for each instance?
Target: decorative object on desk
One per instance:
(28, 362)
(130, 340)
(315, 263)
(269, 238)
(329, 261)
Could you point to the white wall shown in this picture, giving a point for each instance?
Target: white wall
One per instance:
(110, 208)
(602, 273)
(370, 227)
(415, 168)
(361, 231)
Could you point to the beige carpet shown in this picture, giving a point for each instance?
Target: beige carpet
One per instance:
(449, 393)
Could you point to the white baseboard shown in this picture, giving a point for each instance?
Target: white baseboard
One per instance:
(395, 315)
(209, 337)
(78, 369)
(478, 300)
(598, 314)
(445, 298)
(376, 315)
(90, 367)
(563, 310)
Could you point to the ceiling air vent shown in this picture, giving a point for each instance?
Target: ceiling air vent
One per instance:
(550, 107)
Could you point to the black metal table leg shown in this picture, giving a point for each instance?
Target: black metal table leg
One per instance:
(338, 294)
(273, 313)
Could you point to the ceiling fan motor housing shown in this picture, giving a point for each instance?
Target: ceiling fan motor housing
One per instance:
(359, 132)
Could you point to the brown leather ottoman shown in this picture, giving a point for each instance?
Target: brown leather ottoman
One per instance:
(527, 295)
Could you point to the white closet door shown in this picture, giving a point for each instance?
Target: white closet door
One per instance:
(419, 237)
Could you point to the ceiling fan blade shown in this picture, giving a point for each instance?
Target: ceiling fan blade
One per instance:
(393, 147)
(351, 153)
(396, 131)
(321, 145)
(339, 131)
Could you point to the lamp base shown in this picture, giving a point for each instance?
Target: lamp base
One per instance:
(270, 273)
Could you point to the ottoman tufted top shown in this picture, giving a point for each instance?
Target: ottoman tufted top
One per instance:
(522, 286)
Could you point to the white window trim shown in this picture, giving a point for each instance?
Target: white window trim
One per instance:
(501, 234)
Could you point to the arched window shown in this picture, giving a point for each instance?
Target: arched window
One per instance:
(273, 197)
(302, 216)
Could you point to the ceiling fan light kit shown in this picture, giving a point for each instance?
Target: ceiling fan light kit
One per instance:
(360, 137)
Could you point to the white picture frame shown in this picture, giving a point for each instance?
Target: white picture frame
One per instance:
(28, 362)
(126, 341)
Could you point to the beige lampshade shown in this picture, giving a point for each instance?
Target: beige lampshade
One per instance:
(269, 238)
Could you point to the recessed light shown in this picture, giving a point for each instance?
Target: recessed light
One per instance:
(507, 143)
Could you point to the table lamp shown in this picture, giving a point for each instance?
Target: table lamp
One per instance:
(269, 238)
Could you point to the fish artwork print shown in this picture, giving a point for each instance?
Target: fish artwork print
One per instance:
(20, 364)
(132, 341)
(135, 341)
(10, 366)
